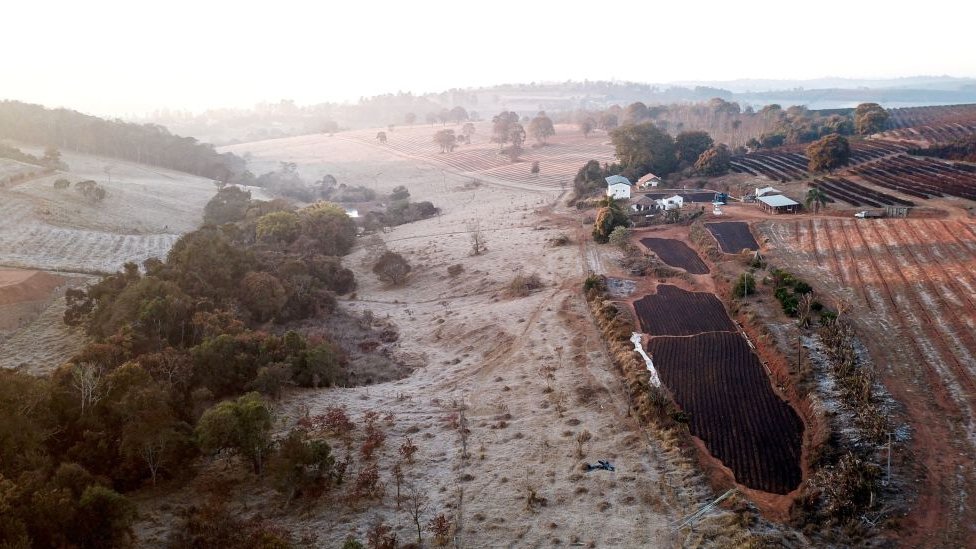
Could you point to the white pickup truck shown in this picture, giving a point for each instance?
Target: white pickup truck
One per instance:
(867, 214)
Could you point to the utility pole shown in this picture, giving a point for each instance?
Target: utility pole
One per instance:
(888, 474)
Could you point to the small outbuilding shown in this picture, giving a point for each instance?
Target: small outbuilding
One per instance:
(644, 204)
(648, 181)
(671, 202)
(767, 191)
(778, 204)
(618, 187)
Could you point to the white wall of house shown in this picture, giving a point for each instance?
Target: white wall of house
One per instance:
(619, 191)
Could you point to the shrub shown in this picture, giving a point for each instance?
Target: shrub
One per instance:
(522, 284)
(744, 286)
(61, 183)
(455, 270)
(392, 268)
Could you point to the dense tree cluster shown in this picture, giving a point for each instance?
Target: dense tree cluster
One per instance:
(829, 152)
(51, 158)
(869, 118)
(143, 143)
(169, 342)
(714, 161)
(644, 148)
(592, 177)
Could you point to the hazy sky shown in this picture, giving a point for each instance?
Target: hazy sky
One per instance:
(126, 57)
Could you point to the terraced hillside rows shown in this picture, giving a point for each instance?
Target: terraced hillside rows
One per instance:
(790, 163)
(855, 194)
(908, 117)
(559, 159)
(919, 177)
(934, 134)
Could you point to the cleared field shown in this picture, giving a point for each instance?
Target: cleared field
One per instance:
(145, 212)
(733, 236)
(676, 253)
(559, 159)
(911, 286)
(720, 383)
(676, 312)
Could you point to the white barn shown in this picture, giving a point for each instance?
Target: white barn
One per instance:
(618, 187)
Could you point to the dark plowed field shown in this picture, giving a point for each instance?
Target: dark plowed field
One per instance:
(676, 312)
(676, 253)
(733, 236)
(720, 383)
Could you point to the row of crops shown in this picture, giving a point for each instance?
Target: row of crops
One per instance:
(789, 165)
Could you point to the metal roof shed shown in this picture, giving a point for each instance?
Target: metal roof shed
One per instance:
(778, 203)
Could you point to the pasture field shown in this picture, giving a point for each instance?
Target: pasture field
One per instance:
(143, 215)
(718, 380)
(559, 159)
(676, 254)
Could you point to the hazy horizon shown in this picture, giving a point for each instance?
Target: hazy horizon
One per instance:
(120, 58)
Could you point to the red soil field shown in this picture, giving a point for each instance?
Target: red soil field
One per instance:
(733, 236)
(676, 253)
(676, 312)
(911, 285)
(720, 383)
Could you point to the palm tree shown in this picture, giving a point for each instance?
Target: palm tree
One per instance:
(816, 197)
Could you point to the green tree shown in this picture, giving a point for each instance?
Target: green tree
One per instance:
(586, 125)
(262, 294)
(459, 114)
(828, 152)
(541, 128)
(446, 139)
(328, 227)
(229, 205)
(620, 237)
(644, 148)
(104, 518)
(714, 161)
(869, 118)
(278, 227)
(502, 127)
(608, 217)
(301, 465)
(242, 425)
(817, 198)
(690, 145)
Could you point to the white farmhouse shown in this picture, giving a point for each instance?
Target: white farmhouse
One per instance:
(671, 202)
(618, 187)
(648, 181)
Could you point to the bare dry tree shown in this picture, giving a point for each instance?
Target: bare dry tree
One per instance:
(478, 245)
(86, 378)
(417, 503)
(582, 438)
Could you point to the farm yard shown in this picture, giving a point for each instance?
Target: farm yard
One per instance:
(676, 254)
(910, 285)
(733, 236)
(672, 311)
(718, 380)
